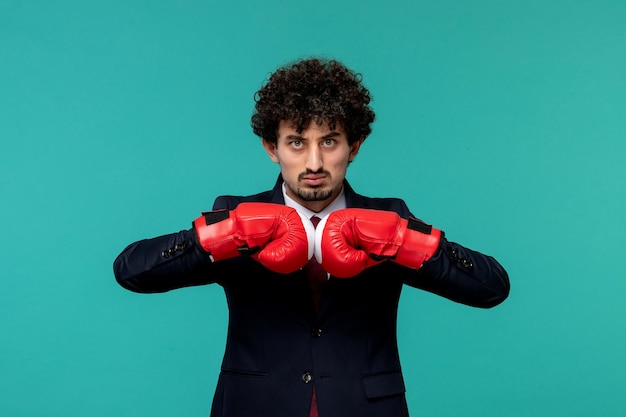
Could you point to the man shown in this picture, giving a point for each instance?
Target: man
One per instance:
(304, 341)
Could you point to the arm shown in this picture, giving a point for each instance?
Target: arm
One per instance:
(163, 263)
(462, 275)
(354, 239)
(272, 234)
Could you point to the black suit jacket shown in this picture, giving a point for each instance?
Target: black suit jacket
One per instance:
(278, 347)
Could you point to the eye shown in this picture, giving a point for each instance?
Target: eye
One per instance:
(329, 142)
(296, 143)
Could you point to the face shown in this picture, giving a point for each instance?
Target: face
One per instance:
(313, 163)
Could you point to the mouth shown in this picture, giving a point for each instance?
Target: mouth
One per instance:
(314, 180)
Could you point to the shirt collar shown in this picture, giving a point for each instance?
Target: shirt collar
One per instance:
(338, 203)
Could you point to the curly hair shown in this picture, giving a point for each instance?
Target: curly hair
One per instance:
(324, 91)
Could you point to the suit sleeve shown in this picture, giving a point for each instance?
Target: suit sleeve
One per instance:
(163, 263)
(462, 275)
(168, 262)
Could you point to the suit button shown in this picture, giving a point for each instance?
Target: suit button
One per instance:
(307, 378)
(317, 332)
(467, 264)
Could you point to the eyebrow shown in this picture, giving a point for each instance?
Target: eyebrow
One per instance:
(329, 135)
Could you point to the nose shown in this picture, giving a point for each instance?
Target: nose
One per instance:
(314, 159)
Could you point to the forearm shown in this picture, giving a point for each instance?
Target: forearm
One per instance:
(162, 264)
(463, 275)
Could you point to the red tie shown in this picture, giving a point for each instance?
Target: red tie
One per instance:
(315, 274)
(317, 278)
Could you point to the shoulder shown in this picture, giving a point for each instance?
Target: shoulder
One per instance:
(384, 203)
(354, 199)
(229, 202)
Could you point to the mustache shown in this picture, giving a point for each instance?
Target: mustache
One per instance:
(310, 172)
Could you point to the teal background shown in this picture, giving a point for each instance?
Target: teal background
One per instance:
(500, 122)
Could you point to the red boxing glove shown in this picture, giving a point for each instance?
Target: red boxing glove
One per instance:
(354, 239)
(273, 234)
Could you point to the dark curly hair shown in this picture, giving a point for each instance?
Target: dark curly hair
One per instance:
(313, 90)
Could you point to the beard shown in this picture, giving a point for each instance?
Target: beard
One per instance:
(314, 195)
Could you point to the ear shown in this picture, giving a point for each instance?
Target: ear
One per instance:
(271, 150)
(354, 149)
